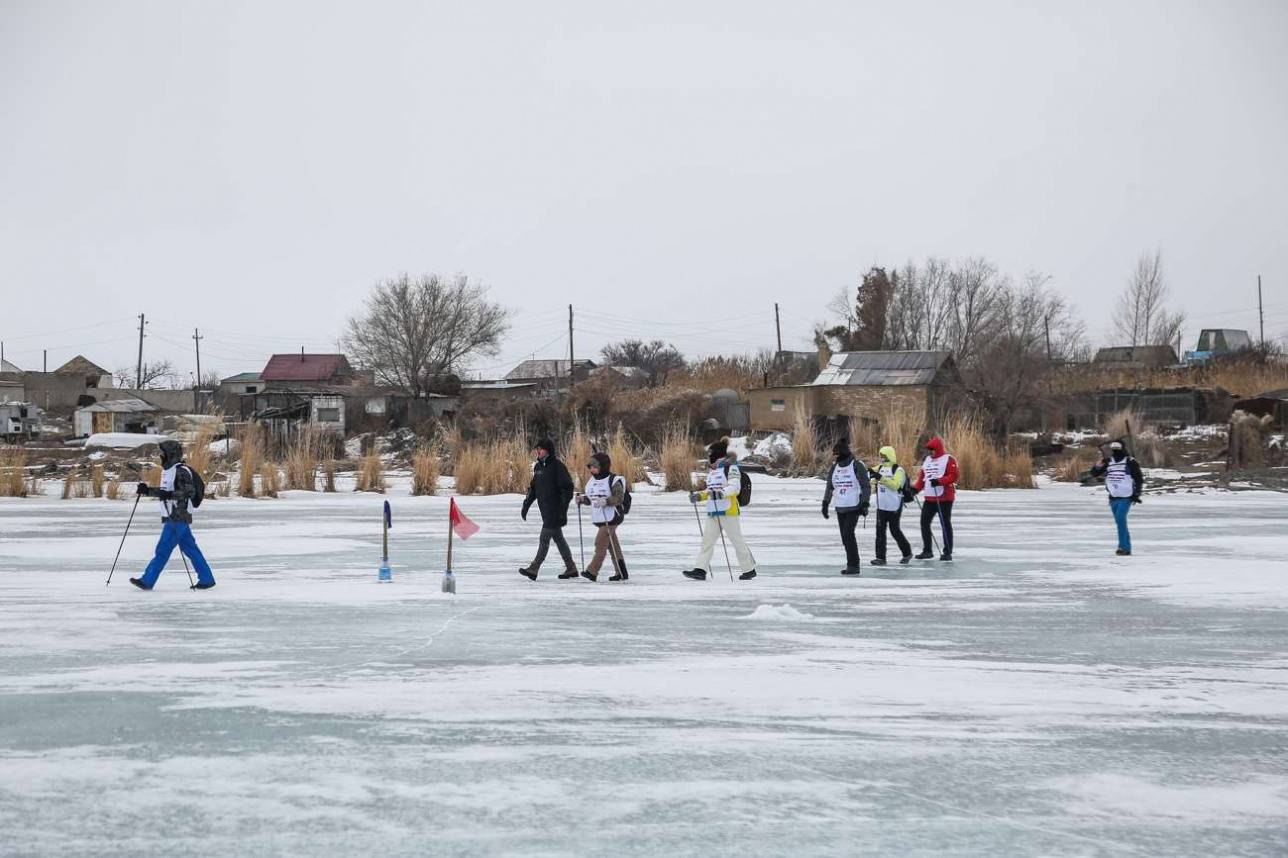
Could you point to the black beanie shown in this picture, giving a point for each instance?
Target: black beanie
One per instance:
(841, 448)
(718, 450)
(547, 445)
(605, 463)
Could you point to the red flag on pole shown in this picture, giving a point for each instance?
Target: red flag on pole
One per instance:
(462, 526)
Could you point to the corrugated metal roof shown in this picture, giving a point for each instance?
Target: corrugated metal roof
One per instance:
(121, 406)
(242, 377)
(882, 368)
(544, 368)
(306, 367)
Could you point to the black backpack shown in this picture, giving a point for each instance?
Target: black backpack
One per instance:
(198, 486)
(626, 498)
(907, 494)
(744, 485)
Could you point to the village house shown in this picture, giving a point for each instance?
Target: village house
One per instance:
(550, 373)
(117, 415)
(856, 387)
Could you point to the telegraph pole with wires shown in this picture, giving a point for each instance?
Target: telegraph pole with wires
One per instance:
(1261, 313)
(138, 371)
(572, 374)
(197, 338)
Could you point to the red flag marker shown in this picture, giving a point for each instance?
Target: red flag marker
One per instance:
(463, 526)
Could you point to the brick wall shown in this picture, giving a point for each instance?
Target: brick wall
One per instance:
(873, 402)
(774, 408)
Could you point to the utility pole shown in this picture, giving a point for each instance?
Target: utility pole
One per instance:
(1261, 312)
(778, 328)
(1046, 323)
(197, 338)
(572, 375)
(44, 361)
(138, 370)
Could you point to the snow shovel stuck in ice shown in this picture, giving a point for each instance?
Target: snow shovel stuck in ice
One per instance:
(386, 574)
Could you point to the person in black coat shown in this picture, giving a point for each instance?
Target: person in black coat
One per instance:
(552, 490)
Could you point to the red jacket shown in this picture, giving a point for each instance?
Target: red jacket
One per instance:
(948, 481)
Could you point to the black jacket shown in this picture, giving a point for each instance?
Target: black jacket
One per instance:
(1133, 469)
(860, 471)
(552, 489)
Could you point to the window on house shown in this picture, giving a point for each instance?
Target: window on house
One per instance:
(778, 405)
(251, 388)
(328, 415)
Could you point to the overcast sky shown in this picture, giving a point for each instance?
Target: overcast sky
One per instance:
(672, 170)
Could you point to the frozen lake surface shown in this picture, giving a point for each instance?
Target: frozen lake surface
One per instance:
(1038, 696)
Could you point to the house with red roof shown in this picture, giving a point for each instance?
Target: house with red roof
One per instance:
(286, 370)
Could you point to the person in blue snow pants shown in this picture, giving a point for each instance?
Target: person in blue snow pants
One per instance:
(177, 489)
(1124, 481)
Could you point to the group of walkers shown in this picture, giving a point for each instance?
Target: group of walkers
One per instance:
(847, 491)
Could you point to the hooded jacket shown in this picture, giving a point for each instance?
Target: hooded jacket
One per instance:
(890, 478)
(1100, 469)
(551, 488)
(937, 459)
(844, 459)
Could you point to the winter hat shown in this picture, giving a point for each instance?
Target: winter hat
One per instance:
(935, 445)
(718, 450)
(171, 452)
(547, 445)
(1117, 449)
(888, 454)
(841, 448)
(601, 459)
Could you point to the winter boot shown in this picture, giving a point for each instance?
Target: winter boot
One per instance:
(202, 586)
(926, 554)
(946, 556)
(568, 573)
(747, 576)
(851, 570)
(529, 573)
(590, 576)
(695, 574)
(877, 561)
(1121, 552)
(905, 560)
(138, 582)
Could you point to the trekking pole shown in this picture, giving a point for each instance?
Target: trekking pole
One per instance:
(720, 524)
(581, 541)
(191, 583)
(122, 545)
(933, 541)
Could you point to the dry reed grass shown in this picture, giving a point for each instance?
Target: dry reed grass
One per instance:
(500, 466)
(199, 455)
(425, 470)
(370, 475)
(576, 452)
(113, 489)
(328, 475)
(252, 458)
(627, 459)
(1242, 378)
(1142, 439)
(303, 457)
(270, 480)
(97, 476)
(806, 456)
(677, 458)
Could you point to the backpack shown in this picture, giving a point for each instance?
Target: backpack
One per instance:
(907, 494)
(744, 486)
(626, 498)
(198, 486)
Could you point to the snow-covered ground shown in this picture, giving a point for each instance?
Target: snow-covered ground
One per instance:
(1037, 697)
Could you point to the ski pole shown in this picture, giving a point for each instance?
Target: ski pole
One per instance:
(122, 545)
(933, 541)
(720, 524)
(191, 583)
(581, 540)
(697, 516)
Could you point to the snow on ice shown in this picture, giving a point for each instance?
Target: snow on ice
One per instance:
(1038, 696)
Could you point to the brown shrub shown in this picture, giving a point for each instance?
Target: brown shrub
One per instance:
(328, 475)
(13, 472)
(469, 468)
(199, 455)
(806, 457)
(981, 464)
(575, 453)
(627, 459)
(270, 480)
(113, 489)
(97, 475)
(370, 475)
(303, 457)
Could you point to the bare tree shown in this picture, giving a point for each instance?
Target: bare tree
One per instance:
(656, 357)
(155, 376)
(1142, 317)
(412, 331)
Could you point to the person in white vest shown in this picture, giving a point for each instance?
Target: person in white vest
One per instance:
(176, 491)
(1123, 480)
(938, 479)
(724, 481)
(605, 494)
(890, 479)
(849, 490)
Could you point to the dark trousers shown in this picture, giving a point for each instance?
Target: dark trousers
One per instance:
(944, 509)
(890, 519)
(547, 535)
(848, 521)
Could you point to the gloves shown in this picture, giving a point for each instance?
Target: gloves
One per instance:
(143, 490)
(825, 515)
(599, 503)
(934, 482)
(876, 475)
(1135, 498)
(523, 513)
(694, 497)
(863, 509)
